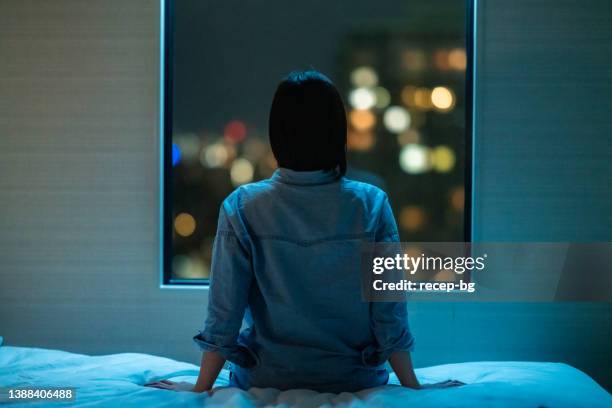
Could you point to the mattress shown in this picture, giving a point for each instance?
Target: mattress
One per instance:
(117, 381)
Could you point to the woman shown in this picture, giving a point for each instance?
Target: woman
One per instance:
(286, 259)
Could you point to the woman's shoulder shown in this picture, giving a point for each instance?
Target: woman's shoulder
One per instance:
(363, 189)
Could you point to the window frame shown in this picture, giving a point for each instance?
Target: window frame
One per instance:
(166, 24)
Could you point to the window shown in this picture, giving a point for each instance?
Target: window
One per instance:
(403, 68)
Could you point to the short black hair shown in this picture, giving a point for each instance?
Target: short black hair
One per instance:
(307, 124)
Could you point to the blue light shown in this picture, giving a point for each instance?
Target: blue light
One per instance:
(176, 154)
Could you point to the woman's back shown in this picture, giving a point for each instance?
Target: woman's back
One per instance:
(290, 246)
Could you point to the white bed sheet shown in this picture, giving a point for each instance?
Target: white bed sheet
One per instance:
(116, 381)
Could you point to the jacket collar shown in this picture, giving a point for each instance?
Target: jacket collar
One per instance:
(305, 178)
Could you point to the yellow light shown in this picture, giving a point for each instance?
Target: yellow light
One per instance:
(457, 59)
(442, 159)
(184, 224)
(241, 172)
(360, 141)
(422, 98)
(362, 119)
(412, 218)
(442, 98)
(215, 155)
(364, 76)
(408, 95)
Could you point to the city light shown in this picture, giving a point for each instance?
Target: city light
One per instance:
(241, 172)
(411, 136)
(362, 98)
(364, 77)
(457, 59)
(215, 155)
(176, 154)
(457, 198)
(184, 224)
(396, 119)
(414, 159)
(235, 131)
(442, 98)
(362, 119)
(412, 218)
(442, 159)
(360, 141)
(383, 98)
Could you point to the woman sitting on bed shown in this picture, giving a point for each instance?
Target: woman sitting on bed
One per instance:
(286, 264)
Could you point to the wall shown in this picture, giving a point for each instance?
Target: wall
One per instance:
(79, 187)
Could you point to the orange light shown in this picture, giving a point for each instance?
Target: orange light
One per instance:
(362, 119)
(412, 218)
(184, 224)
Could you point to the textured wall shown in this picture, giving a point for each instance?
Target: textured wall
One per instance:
(79, 187)
(79, 181)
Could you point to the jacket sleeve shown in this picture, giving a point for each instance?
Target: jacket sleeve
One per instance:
(229, 290)
(388, 320)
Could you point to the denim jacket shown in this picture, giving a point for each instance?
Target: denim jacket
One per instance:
(285, 303)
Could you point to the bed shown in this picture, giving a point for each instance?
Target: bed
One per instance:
(116, 381)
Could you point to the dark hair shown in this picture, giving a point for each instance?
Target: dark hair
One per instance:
(307, 124)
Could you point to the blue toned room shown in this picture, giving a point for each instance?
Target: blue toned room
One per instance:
(400, 203)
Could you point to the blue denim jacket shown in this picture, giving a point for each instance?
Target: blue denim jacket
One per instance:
(286, 259)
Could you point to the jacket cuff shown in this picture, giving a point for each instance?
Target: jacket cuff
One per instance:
(236, 353)
(377, 355)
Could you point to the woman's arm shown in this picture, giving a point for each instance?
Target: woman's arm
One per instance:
(402, 365)
(211, 365)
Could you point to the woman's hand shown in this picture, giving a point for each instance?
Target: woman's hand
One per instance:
(172, 386)
(443, 384)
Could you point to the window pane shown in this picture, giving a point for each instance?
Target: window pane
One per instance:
(400, 66)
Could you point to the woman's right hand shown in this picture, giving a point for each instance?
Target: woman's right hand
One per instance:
(443, 384)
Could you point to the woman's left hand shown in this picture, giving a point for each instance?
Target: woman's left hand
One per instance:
(171, 385)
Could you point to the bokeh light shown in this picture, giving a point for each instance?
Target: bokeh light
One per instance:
(184, 224)
(176, 154)
(412, 218)
(235, 131)
(457, 198)
(364, 77)
(362, 98)
(422, 98)
(411, 136)
(215, 155)
(241, 172)
(457, 59)
(362, 119)
(442, 159)
(442, 98)
(383, 98)
(414, 159)
(396, 119)
(414, 60)
(189, 267)
(189, 146)
(441, 60)
(360, 141)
